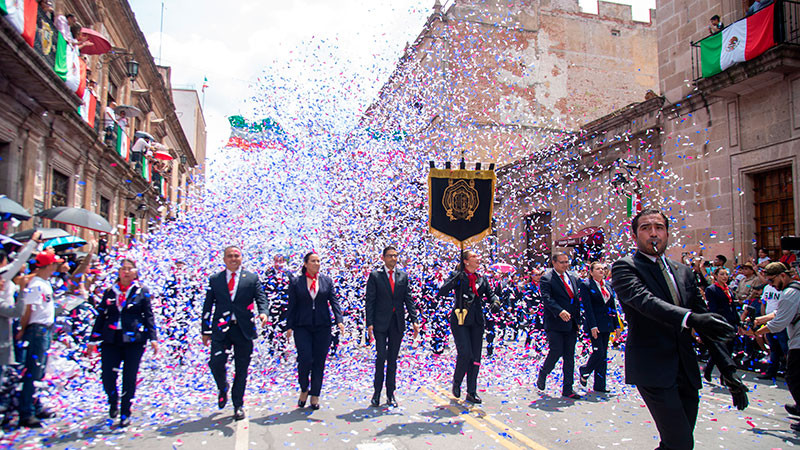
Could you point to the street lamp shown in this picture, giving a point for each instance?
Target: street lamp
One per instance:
(132, 69)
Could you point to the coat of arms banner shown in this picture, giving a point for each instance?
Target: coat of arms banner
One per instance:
(460, 204)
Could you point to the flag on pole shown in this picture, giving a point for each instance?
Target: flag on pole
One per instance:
(22, 16)
(634, 204)
(741, 41)
(205, 84)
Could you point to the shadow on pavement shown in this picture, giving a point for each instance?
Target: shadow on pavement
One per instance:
(295, 415)
(360, 415)
(417, 429)
(787, 436)
(216, 422)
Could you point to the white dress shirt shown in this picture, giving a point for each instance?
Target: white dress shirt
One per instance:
(228, 274)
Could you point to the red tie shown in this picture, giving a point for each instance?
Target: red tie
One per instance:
(391, 280)
(232, 283)
(569, 291)
(603, 289)
(313, 289)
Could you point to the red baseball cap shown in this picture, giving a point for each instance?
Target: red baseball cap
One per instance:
(44, 259)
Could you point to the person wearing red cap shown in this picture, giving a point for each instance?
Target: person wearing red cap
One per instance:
(36, 329)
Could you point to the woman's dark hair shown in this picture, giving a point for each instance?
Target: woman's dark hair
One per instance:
(305, 260)
(464, 256)
(718, 269)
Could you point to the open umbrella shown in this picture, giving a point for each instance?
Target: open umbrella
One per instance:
(164, 156)
(143, 134)
(129, 110)
(47, 234)
(100, 44)
(8, 243)
(503, 268)
(9, 209)
(78, 217)
(65, 243)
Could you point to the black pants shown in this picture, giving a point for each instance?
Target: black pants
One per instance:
(674, 410)
(312, 350)
(387, 344)
(598, 361)
(111, 356)
(778, 348)
(793, 374)
(491, 334)
(242, 350)
(469, 340)
(562, 345)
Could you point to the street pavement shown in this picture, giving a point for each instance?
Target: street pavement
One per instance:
(176, 408)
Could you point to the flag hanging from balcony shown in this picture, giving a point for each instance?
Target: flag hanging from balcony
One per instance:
(88, 108)
(122, 144)
(742, 41)
(22, 16)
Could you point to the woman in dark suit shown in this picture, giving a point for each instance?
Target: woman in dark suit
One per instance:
(312, 297)
(721, 301)
(470, 291)
(123, 326)
(600, 312)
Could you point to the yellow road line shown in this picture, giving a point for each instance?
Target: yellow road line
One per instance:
(500, 425)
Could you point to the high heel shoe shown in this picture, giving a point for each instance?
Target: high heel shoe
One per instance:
(314, 406)
(302, 403)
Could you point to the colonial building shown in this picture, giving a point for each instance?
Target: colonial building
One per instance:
(719, 153)
(59, 149)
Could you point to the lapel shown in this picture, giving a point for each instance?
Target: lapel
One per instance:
(242, 279)
(654, 271)
(222, 282)
(558, 281)
(385, 278)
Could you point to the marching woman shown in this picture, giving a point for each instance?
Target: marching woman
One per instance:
(601, 319)
(312, 297)
(467, 320)
(123, 326)
(721, 301)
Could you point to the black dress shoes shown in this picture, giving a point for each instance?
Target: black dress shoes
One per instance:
(376, 400)
(792, 409)
(302, 403)
(391, 401)
(583, 379)
(473, 398)
(314, 406)
(541, 384)
(29, 422)
(222, 400)
(113, 411)
(238, 413)
(573, 396)
(124, 421)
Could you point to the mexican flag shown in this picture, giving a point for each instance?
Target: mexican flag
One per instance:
(22, 16)
(633, 204)
(60, 65)
(89, 106)
(73, 77)
(742, 41)
(147, 173)
(122, 144)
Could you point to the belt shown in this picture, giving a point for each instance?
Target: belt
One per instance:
(31, 325)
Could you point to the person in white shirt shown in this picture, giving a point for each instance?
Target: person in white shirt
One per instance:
(9, 309)
(778, 342)
(36, 328)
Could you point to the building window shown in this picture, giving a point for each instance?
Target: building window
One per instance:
(59, 190)
(615, 32)
(538, 232)
(774, 208)
(105, 208)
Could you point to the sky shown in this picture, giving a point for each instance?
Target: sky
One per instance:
(297, 49)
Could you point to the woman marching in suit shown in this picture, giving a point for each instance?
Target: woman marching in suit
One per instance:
(469, 290)
(601, 319)
(124, 324)
(312, 297)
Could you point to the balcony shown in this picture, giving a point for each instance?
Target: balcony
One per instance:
(769, 67)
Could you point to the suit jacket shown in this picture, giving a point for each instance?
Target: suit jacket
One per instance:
(656, 340)
(718, 303)
(218, 306)
(556, 299)
(597, 312)
(458, 283)
(381, 304)
(136, 321)
(303, 311)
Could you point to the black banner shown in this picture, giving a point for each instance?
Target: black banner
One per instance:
(461, 204)
(46, 37)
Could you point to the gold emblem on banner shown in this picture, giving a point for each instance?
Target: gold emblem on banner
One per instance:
(460, 199)
(46, 34)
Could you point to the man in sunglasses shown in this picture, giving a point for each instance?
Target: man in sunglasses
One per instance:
(787, 317)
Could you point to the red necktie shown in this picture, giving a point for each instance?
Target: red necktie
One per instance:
(566, 285)
(391, 280)
(603, 289)
(313, 289)
(232, 283)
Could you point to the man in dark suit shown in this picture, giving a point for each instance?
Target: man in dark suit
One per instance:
(228, 322)
(388, 297)
(662, 303)
(561, 322)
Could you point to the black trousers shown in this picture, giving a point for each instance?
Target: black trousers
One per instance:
(387, 344)
(674, 410)
(129, 356)
(312, 350)
(469, 341)
(242, 351)
(598, 361)
(562, 345)
(491, 333)
(793, 374)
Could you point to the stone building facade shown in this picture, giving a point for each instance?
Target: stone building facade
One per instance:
(719, 154)
(51, 156)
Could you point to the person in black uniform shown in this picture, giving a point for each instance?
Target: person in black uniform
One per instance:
(662, 303)
(312, 297)
(720, 301)
(124, 323)
(600, 313)
(470, 291)
(387, 299)
(561, 322)
(228, 321)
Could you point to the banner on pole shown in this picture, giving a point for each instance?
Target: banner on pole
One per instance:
(461, 204)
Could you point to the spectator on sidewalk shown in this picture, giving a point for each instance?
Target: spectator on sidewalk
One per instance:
(778, 342)
(745, 284)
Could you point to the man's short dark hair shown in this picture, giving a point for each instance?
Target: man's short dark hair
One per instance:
(723, 259)
(647, 212)
(555, 256)
(387, 248)
(224, 251)
(714, 17)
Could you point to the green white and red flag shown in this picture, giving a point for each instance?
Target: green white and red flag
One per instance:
(742, 41)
